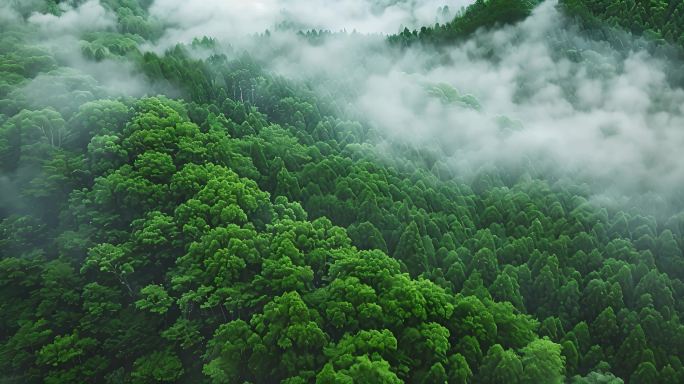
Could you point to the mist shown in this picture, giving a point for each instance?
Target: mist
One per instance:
(79, 79)
(544, 95)
(89, 16)
(547, 95)
(308, 196)
(236, 19)
(73, 79)
(609, 116)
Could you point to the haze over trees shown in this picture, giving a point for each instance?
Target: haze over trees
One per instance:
(184, 207)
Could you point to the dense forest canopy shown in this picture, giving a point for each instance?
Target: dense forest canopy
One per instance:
(376, 191)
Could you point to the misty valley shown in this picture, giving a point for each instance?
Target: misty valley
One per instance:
(357, 191)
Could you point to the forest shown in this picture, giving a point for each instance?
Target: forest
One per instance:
(474, 192)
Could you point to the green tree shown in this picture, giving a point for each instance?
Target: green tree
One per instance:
(543, 362)
(410, 250)
(501, 366)
(159, 366)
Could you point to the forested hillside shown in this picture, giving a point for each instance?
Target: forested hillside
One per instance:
(482, 14)
(191, 214)
(655, 19)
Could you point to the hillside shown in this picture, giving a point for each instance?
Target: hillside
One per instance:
(306, 204)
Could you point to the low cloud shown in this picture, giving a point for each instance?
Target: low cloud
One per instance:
(611, 117)
(535, 94)
(89, 16)
(547, 97)
(236, 19)
(8, 14)
(61, 35)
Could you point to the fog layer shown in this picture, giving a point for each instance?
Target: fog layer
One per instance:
(547, 95)
(537, 93)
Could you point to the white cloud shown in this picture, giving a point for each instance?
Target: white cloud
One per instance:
(89, 16)
(234, 19)
(610, 116)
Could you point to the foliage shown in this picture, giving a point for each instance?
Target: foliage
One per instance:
(242, 232)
